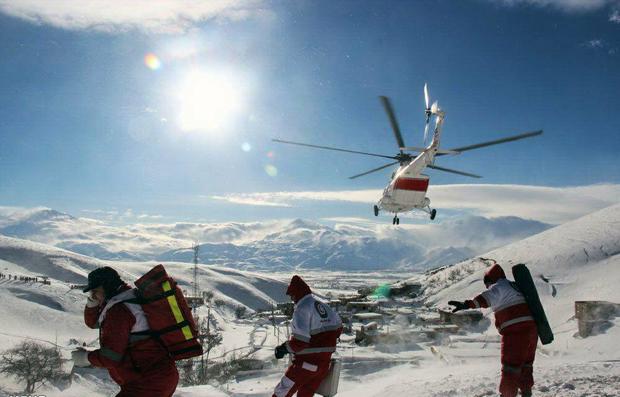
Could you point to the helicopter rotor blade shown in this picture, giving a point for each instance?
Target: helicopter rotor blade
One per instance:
(374, 170)
(435, 167)
(387, 105)
(333, 148)
(497, 141)
(426, 131)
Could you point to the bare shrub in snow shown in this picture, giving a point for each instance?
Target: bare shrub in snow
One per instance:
(227, 370)
(188, 372)
(240, 311)
(445, 277)
(33, 364)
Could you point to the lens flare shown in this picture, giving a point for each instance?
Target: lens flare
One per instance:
(246, 147)
(271, 170)
(152, 61)
(271, 154)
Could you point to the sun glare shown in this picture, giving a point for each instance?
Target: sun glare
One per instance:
(209, 100)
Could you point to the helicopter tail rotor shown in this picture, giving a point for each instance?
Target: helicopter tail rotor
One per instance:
(427, 111)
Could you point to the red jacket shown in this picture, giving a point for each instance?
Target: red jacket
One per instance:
(127, 357)
(507, 302)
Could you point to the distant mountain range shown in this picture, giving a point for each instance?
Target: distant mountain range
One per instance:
(278, 245)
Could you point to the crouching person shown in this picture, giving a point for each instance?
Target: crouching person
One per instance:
(138, 363)
(315, 331)
(515, 323)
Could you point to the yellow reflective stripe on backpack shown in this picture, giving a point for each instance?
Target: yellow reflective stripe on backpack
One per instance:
(176, 311)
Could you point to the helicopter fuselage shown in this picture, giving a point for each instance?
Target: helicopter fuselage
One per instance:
(407, 189)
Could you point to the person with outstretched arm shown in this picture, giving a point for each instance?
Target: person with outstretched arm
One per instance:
(516, 325)
(315, 331)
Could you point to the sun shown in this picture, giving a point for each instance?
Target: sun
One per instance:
(209, 100)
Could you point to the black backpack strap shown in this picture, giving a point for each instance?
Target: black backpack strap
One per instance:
(515, 286)
(141, 300)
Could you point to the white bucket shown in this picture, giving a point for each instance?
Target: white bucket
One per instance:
(329, 386)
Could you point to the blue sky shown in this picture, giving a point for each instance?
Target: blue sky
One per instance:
(87, 125)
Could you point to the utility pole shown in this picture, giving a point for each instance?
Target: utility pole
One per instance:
(196, 248)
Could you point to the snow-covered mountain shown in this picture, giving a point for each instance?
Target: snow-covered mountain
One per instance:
(579, 260)
(21, 257)
(282, 244)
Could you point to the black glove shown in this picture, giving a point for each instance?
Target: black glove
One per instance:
(458, 306)
(281, 351)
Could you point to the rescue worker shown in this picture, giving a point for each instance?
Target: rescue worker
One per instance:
(314, 333)
(516, 326)
(138, 363)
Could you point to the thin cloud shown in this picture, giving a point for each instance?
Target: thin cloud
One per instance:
(599, 44)
(553, 205)
(256, 199)
(164, 16)
(149, 217)
(594, 43)
(615, 16)
(125, 216)
(562, 5)
(286, 199)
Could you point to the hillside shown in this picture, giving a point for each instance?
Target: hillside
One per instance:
(579, 260)
(55, 310)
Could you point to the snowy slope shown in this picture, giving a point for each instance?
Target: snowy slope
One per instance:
(42, 311)
(580, 259)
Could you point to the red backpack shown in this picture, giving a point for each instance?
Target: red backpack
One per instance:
(168, 314)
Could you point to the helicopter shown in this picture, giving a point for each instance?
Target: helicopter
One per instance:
(408, 185)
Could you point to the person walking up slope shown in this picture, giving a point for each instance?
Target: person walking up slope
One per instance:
(315, 331)
(515, 323)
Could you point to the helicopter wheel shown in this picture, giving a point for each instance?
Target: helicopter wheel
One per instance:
(394, 220)
(376, 209)
(398, 221)
(433, 213)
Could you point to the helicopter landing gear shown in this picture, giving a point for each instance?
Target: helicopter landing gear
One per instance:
(376, 209)
(433, 213)
(395, 221)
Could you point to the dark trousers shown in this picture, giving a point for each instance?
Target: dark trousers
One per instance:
(518, 351)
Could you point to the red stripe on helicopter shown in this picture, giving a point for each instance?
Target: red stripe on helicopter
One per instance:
(418, 185)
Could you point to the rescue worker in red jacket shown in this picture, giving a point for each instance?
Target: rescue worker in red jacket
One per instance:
(315, 330)
(517, 327)
(138, 363)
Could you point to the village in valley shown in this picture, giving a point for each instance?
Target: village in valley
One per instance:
(393, 321)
